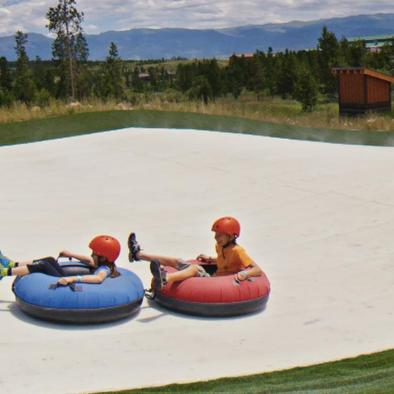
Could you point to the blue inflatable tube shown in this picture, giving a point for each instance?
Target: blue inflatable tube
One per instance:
(81, 303)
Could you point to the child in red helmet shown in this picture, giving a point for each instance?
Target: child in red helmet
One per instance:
(105, 250)
(231, 258)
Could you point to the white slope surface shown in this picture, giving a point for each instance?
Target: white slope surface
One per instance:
(317, 217)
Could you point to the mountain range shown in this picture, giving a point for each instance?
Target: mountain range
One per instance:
(207, 43)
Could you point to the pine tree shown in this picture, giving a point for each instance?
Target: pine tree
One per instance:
(287, 72)
(235, 76)
(271, 72)
(306, 89)
(213, 75)
(184, 76)
(6, 97)
(113, 84)
(328, 57)
(69, 47)
(136, 81)
(24, 86)
(5, 75)
(153, 78)
(353, 53)
(256, 79)
(384, 59)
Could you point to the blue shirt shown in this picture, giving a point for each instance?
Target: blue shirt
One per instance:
(104, 268)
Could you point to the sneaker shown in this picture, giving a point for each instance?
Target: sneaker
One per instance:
(159, 275)
(4, 261)
(134, 248)
(3, 272)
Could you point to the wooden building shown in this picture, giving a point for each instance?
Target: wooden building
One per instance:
(361, 90)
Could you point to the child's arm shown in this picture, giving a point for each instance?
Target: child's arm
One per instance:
(84, 259)
(97, 279)
(206, 259)
(252, 269)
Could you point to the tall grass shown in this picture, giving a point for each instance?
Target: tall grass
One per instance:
(265, 109)
(18, 112)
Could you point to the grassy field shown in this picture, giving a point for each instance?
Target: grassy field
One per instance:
(90, 122)
(248, 106)
(368, 374)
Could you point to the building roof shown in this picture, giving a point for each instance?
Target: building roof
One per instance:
(387, 37)
(363, 71)
(375, 44)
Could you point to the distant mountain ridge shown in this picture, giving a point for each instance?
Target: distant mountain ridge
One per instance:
(207, 43)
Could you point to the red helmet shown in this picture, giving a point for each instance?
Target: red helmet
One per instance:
(227, 225)
(105, 246)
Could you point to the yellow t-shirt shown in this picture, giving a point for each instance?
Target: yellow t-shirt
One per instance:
(231, 259)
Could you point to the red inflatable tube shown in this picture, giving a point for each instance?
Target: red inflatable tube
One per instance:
(216, 295)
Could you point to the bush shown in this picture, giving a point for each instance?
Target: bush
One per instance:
(201, 89)
(6, 98)
(42, 98)
(132, 97)
(173, 96)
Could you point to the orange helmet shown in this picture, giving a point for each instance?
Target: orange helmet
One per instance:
(105, 246)
(227, 225)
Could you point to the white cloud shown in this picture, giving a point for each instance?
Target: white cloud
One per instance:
(29, 15)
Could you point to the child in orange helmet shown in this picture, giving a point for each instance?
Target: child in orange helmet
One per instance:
(105, 251)
(231, 258)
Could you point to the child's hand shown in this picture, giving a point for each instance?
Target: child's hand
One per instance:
(204, 258)
(242, 275)
(65, 253)
(65, 281)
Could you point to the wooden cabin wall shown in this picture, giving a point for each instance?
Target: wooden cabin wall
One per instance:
(378, 91)
(352, 88)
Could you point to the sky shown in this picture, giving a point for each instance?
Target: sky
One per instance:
(29, 15)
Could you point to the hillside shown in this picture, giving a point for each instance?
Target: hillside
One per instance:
(191, 43)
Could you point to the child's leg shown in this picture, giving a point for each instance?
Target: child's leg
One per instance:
(48, 265)
(9, 267)
(20, 271)
(5, 261)
(161, 277)
(136, 253)
(186, 273)
(163, 260)
(26, 262)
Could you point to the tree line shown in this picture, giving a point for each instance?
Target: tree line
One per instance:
(304, 75)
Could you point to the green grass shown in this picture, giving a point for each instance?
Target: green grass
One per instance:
(260, 108)
(368, 374)
(91, 122)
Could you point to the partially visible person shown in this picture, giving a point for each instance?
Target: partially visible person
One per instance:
(105, 250)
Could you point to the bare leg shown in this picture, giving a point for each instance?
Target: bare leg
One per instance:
(136, 254)
(22, 263)
(161, 277)
(163, 260)
(178, 276)
(20, 271)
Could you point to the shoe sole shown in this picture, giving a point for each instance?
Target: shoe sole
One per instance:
(157, 274)
(129, 239)
(132, 256)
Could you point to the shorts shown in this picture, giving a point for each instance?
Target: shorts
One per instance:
(46, 265)
(201, 273)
